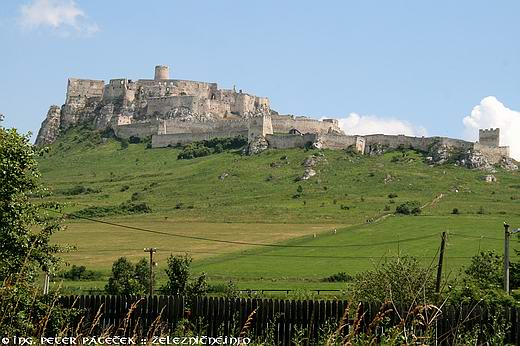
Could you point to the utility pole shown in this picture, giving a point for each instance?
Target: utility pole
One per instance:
(151, 250)
(439, 267)
(507, 235)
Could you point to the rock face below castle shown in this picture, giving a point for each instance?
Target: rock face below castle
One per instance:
(173, 112)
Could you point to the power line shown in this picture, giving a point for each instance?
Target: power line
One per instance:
(241, 242)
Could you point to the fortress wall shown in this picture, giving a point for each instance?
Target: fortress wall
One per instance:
(493, 154)
(81, 89)
(287, 141)
(173, 126)
(140, 130)
(456, 143)
(162, 141)
(395, 141)
(283, 124)
(332, 141)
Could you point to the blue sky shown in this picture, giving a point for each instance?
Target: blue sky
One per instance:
(407, 66)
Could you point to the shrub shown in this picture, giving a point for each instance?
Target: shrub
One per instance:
(127, 278)
(76, 273)
(180, 281)
(481, 211)
(134, 140)
(392, 195)
(399, 280)
(124, 188)
(124, 143)
(455, 211)
(208, 147)
(338, 277)
(122, 209)
(79, 190)
(409, 208)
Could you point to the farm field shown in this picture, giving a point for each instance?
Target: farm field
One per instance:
(261, 200)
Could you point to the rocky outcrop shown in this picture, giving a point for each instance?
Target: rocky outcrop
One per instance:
(50, 128)
(310, 163)
(508, 164)
(256, 146)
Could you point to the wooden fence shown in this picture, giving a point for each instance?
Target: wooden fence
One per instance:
(280, 320)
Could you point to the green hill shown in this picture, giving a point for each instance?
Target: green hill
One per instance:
(236, 203)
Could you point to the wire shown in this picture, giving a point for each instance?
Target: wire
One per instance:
(243, 242)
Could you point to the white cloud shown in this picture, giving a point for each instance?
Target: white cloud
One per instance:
(492, 113)
(356, 124)
(62, 16)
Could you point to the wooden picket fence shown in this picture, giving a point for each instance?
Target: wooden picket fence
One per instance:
(280, 320)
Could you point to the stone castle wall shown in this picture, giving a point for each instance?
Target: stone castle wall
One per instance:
(162, 141)
(288, 141)
(284, 124)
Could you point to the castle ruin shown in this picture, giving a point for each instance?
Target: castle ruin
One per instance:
(176, 112)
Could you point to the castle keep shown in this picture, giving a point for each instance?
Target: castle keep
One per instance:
(173, 111)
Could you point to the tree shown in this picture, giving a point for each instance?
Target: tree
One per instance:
(127, 279)
(25, 227)
(179, 277)
(25, 231)
(178, 272)
(486, 269)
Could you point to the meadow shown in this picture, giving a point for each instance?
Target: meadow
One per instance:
(251, 219)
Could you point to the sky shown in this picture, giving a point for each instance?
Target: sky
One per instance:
(398, 67)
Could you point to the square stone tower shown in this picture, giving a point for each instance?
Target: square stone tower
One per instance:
(259, 126)
(489, 137)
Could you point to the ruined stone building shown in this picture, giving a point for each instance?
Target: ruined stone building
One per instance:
(173, 111)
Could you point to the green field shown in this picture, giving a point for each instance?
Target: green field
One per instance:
(261, 201)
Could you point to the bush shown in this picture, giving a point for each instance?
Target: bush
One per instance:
(409, 208)
(124, 143)
(122, 209)
(127, 278)
(212, 146)
(392, 195)
(339, 277)
(79, 190)
(77, 273)
(402, 280)
(455, 211)
(124, 188)
(179, 278)
(134, 140)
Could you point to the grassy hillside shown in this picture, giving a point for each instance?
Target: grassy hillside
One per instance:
(261, 200)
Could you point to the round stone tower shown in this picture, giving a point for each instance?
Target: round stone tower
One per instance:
(162, 72)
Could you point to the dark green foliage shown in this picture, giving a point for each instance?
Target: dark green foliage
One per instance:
(481, 210)
(79, 190)
(25, 248)
(299, 189)
(124, 188)
(392, 195)
(409, 208)
(124, 143)
(212, 146)
(134, 140)
(455, 211)
(127, 278)
(77, 273)
(402, 280)
(485, 269)
(179, 278)
(514, 275)
(339, 277)
(125, 208)
(178, 272)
